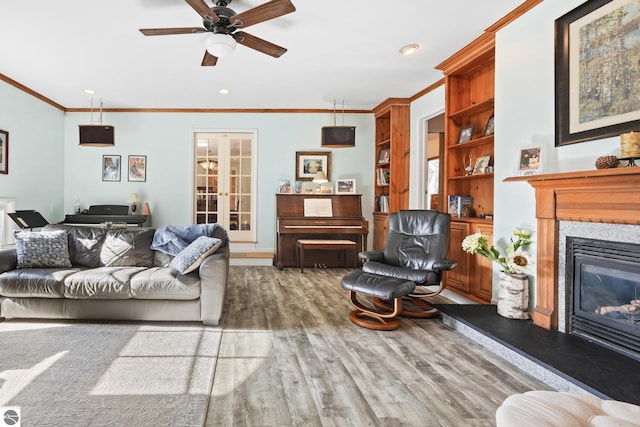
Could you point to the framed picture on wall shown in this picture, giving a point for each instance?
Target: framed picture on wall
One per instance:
(4, 152)
(596, 69)
(137, 168)
(308, 163)
(110, 167)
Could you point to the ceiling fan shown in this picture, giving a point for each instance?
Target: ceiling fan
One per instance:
(223, 24)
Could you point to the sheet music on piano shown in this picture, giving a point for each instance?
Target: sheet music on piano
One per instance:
(318, 207)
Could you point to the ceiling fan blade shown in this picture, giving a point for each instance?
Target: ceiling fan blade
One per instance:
(205, 11)
(259, 44)
(209, 60)
(169, 31)
(262, 13)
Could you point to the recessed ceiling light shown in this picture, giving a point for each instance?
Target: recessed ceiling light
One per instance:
(409, 49)
(224, 91)
(89, 91)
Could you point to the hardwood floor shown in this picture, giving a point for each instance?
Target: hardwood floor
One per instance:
(289, 356)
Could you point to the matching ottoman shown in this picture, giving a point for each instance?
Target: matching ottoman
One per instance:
(561, 409)
(385, 288)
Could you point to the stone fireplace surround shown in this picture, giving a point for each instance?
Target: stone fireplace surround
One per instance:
(603, 203)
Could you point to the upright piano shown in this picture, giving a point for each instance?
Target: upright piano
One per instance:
(318, 216)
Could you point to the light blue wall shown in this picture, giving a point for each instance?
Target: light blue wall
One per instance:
(524, 112)
(167, 141)
(36, 156)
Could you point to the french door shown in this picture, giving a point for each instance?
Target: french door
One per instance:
(225, 187)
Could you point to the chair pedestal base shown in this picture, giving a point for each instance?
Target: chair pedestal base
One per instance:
(369, 321)
(425, 310)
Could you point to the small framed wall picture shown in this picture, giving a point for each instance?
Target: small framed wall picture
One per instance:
(488, 129)
(530, 161)
(137, 168)
(465, 134)
(346, 186)
(4, 152)
(111, 168)
(308, 163)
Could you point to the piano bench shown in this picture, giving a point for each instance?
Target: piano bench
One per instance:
(325, 244)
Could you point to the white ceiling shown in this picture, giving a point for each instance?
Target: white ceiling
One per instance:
(337, 50)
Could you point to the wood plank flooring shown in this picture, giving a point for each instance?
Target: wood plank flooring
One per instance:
(289, 356)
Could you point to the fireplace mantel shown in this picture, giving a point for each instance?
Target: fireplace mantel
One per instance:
(603, 196)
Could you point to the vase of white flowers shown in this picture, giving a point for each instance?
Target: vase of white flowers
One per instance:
(513, 293)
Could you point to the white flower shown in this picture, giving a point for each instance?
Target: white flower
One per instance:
(472, 243)
(519, 261)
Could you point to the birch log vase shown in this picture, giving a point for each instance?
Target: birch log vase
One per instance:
(513, 295)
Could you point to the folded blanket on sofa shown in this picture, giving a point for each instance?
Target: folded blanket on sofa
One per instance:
(172, 239)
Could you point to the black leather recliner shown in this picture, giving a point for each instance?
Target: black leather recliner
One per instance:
(416, 250)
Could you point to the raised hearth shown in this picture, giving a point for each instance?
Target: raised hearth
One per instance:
(563, 361)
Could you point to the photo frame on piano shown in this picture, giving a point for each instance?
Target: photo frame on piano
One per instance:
(345, 186)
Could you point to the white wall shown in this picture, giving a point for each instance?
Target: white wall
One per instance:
(167, 141)
(36, 157)
(524, 112)
(422, 109)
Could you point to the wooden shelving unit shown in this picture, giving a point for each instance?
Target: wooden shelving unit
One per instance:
(469, 88)
(391, 178)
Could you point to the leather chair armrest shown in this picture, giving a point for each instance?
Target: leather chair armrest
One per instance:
(214, 277)
(8, 259)
(371, 256)
(445, 264)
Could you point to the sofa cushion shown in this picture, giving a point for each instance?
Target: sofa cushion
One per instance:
(85, 243)
(35, 282)
(127, 248)
(101, 283)
(165, 283)
(192, 256)
(42, 249)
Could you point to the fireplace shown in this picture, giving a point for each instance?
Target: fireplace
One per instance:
(603, 293)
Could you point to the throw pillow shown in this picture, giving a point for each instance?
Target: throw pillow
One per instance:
(42, 249)
(192, 256)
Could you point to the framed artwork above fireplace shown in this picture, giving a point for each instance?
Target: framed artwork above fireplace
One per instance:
(596, 71)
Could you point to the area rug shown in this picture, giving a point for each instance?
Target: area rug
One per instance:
(107, 374)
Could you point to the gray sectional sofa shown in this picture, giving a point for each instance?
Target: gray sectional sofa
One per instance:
(111, 274)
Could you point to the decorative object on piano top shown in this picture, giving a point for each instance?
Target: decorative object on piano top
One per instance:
(308, 163)
(111, 168)
(319, 179)
(345, 186)
(134, 199)
(137, 168)
(284, 186)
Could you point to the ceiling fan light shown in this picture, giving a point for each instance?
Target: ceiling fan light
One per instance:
(219, 45)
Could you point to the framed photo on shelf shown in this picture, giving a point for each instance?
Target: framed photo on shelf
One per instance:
(481, 165)
(138, 168)
(488, 129)
(385, 156)
(465, 134)
(595, 59)
(4, 152)
(530, 161)
(284, 186)
(345, 186)
(111, 167)
(308, 163)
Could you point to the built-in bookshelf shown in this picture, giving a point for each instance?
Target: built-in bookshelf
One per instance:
(391, 163)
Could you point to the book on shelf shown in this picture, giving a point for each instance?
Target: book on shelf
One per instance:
(383, 176)
(460, 206)
(382, 203)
